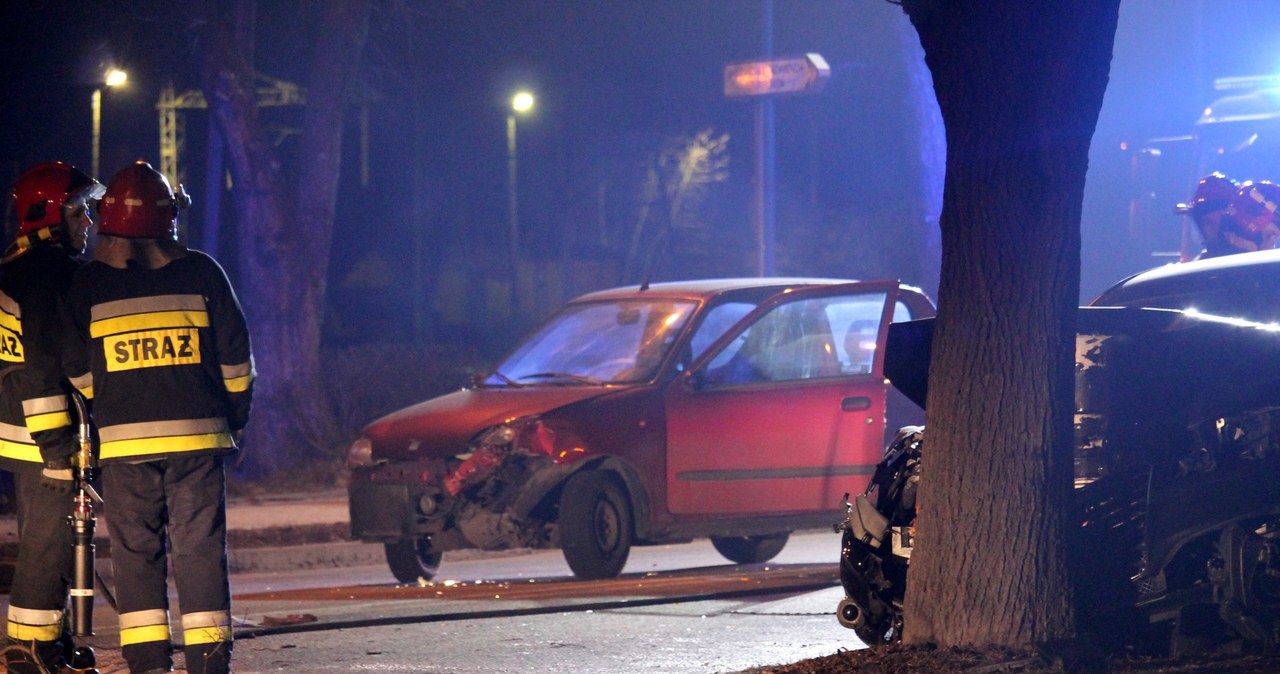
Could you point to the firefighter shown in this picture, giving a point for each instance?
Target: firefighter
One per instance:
(164, 355)
(1254, 210)
(1209, 209)
(53, 204)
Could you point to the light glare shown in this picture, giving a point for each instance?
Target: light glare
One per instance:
(522, 102)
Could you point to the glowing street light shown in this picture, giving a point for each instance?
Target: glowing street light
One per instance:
(112, 78)
(521, 103)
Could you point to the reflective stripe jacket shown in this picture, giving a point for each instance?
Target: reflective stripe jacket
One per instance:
(35, 423)
(164, 355)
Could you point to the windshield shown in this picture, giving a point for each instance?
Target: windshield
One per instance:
(614, 342)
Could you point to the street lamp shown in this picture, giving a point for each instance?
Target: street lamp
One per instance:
(113, 78)
(521, 104)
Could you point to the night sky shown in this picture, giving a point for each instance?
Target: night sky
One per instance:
(615, 80)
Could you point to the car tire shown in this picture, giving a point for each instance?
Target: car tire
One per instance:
(412, 559)
(595, 525)
(750, 549)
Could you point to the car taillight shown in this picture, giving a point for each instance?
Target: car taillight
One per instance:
(360, 453)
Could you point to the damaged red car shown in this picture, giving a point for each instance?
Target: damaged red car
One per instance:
(738, 409)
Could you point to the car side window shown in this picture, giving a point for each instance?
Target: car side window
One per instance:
(810, 338)
(718, 320)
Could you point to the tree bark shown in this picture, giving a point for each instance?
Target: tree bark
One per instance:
(285, 227)
(1019, 86)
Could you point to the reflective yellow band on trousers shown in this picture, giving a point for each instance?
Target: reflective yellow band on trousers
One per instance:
(21, 632)
(142, 635)
(29, 624)
(140, 627)
(206, 627)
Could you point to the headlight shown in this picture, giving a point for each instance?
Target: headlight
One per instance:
(361, 453)
(498, 436)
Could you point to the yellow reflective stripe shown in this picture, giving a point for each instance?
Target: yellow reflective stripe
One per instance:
(159, 319)
(10, 314)
(10, 322)
(45, 422)
(236, 378)
(20, 632)
(84, 384)
(30, 624)
(206, 635)
(137, 627)
(35, 624)
(237, 385)
(164, 445)
(244, 369)
(142, 635)
(206, 627)
(20, 452)
(160, 429)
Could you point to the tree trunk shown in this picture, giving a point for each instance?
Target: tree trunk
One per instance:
(284, 250)
(1020, 86)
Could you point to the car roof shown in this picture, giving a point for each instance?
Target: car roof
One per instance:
(1229, 272)
(704, 288)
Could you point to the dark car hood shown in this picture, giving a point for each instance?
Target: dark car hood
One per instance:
(442, 426)
(1162, 361)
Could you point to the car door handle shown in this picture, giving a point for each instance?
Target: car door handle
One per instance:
(855, 404)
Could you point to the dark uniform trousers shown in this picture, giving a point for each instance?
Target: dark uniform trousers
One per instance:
(182, 500)
(38, 599)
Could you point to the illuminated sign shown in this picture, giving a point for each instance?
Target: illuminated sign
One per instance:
(805, 74)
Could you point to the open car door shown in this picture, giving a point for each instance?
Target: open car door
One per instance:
(786, 411)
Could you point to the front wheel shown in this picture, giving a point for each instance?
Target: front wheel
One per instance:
(412, 559)
(595, 525)
(750, 549)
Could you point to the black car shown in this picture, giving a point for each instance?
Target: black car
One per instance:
(1177, 465)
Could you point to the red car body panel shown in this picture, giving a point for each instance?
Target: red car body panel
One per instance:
(444, 426)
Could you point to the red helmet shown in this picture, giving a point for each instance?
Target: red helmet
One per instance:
(43, 190)
(139, 204)
(1215, 191)
(1255, 209)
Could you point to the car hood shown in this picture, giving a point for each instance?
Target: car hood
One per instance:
(443, 426)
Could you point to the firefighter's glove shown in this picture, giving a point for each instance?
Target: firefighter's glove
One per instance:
(57, 475)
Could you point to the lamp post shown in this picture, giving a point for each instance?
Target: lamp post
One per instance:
(521, 104)
(113, 78)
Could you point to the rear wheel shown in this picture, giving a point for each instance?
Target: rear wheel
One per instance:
(412, 559)
(750, 549)
(595, 525)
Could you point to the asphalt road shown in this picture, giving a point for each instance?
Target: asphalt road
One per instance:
(677, 608)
